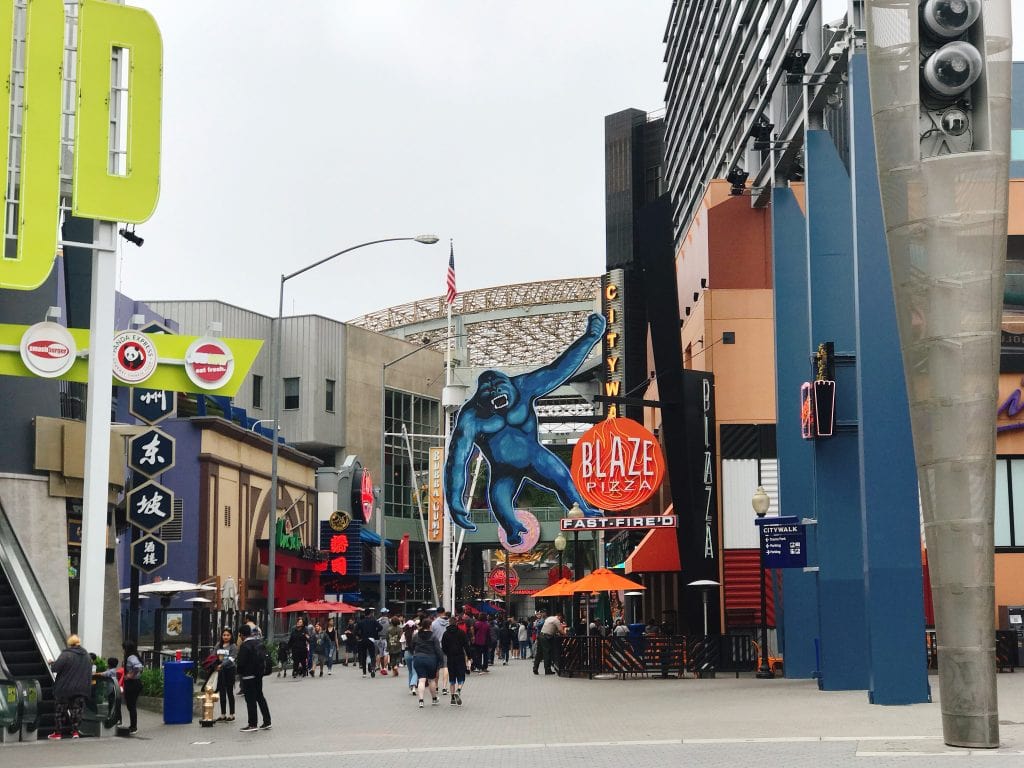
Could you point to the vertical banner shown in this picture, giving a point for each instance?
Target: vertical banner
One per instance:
(435, 515)
(614, 342)
(698, 525)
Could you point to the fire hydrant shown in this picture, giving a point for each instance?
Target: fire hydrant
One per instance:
(209, 698)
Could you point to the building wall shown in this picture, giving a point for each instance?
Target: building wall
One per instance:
(367, 353)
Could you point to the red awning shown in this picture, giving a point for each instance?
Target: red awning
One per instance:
(657, 552)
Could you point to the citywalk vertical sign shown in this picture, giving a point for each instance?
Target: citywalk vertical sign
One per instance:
(115, 95)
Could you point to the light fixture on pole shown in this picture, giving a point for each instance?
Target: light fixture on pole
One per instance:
(577, 566)
(560, 544)
(275, 396)
(760, 502)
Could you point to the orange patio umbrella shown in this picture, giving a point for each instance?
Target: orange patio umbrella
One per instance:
(604, 580)
(561, 588)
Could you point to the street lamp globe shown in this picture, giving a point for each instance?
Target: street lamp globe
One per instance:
(575, 511)
(560, 542)
(760, 501)
(426, 239)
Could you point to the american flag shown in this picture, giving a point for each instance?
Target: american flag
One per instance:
(451, 290)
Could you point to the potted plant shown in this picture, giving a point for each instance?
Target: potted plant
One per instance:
(824, 395)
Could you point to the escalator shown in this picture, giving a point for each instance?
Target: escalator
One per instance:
(20, 658)
(29, 632)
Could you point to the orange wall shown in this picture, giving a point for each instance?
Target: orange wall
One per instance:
(1009, 580)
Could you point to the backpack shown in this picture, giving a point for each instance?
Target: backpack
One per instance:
(266, 663)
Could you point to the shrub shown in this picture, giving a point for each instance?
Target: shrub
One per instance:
(152, 682)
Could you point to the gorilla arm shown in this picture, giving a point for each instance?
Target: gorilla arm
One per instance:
(541, 381)
(456, 468)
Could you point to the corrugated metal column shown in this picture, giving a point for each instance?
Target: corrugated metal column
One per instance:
(893, 586)
(795, 455)
(843, 663)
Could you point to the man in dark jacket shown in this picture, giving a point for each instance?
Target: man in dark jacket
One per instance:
(456, 648)
(73, 673)
(368, 630)
(249, 664)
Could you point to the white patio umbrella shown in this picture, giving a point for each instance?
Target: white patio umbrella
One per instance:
(170, 586)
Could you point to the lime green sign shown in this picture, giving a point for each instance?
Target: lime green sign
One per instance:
(97, 192)
(175, 357)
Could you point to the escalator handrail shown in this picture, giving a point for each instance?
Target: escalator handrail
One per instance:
(102, 689)
(31, 695)
(47, 631)
(15, 725)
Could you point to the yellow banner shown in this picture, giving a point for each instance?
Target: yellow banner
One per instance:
(170, 373)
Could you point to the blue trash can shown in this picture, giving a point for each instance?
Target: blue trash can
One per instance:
(178, 688)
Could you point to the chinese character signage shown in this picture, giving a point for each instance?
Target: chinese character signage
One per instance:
(151, 452)
(152, 405)
(149, 553)
(150, 506)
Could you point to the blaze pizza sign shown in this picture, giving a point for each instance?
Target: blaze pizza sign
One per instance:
(617, 465)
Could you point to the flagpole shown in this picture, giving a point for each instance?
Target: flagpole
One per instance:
(447, 582)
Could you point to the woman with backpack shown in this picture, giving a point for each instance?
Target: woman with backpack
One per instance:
(426, 658)
(317, 650)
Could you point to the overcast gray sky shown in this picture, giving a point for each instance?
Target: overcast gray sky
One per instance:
(293, 130)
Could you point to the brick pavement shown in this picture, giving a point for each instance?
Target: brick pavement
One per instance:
(511, 716)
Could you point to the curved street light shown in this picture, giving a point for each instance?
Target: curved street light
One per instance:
(275, 394)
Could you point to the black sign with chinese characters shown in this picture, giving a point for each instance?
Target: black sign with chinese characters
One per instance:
(150, 506)
(783, 542)
(151, 453)
(152, 405)
(149, 553)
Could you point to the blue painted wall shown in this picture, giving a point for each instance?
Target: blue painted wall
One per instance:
(799, 628)
(893, 584)
(843, 631)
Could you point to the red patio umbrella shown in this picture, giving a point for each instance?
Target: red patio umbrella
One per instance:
(301, 606)
(327, 606)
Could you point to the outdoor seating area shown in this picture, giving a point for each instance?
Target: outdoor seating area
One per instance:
(656, 656)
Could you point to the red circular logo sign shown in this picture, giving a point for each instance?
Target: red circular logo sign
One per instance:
(617, 465)
(209, 363)
(496, 580)
(135, 357)
(48, 350)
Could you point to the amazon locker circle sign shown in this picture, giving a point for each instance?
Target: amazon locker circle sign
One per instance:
(617, 465)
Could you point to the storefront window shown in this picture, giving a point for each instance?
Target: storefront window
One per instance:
(1009, 520)
(421, 417)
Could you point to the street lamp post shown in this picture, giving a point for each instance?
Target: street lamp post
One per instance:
(760, 502)
(577, 566)
(275, 394)
(560, 543)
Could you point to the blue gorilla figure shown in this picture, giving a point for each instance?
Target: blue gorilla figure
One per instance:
(501, 421)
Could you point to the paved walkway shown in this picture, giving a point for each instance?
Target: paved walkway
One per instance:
(512, 719)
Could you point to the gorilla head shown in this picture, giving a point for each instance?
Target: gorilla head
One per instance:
(495, 392)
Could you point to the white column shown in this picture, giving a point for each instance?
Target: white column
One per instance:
(97, 438)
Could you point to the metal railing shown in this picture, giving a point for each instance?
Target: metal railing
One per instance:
(656, 655)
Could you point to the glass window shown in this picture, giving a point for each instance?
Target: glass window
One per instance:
(257, 391)
(291, 394)
(1009, 503)
(421, 418)
(1016, 145)
(1002, 506)
(329, 395)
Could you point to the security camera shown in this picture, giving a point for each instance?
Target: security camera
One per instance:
(837, 50)
(948, 19)
(952, 69)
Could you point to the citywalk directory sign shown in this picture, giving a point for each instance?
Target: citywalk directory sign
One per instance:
(783, 542)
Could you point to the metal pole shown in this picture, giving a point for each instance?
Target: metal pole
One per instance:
(275, 412)
(561, 600)
(276, 407)
(764, 671)
(383, 491)
(577, 574)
